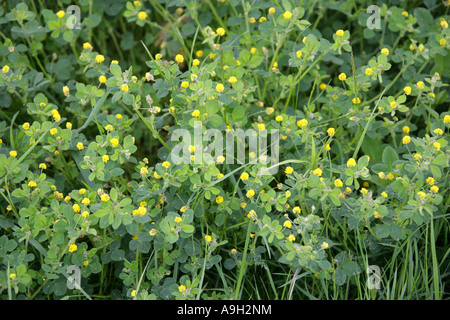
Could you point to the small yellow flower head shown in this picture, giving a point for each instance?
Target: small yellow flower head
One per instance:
(42, 166)
(219, 199)
(299, 53)
(351, 162)
(340, 33)
(114, 142)
(61, 14)
(421, 47)
(261, 126)
(430, 181)
(279, 118)
(102, 79)
(53, 131)
(181, 288)
(196, 113)
(438, 131)
(297, 210)
(322, 86)
(178, 219)
(153, 232)
(405, 129)
(5, 69)
(69, 125)
(12, 276)
(369, 71)
(124, 87)
(422, 195)
(156, 175)
(104, 197)
(447, 119)
(271, 10)
(405, 14)
(253, 50)
(220, 159)
(85, 214)
(87, 45)
(289, 170)
(185, 84)
(324, 245)
(166, 164)
(327, 147)
(219, 176)
(338, 183)
(32, 184)
(287, 15)
(179, 58)
(331, 131)
(437, 145)
(250, 193)
(384, 194)
(287, 224)
(13, 153)
(411, 47)
(420, 85)
(144, 171)
(114, 62)
(342, 76)
(66, 91)
(199, 53)
(302, 123)
(406, 139)
(86, 201)
(291, 238)
(100, 58)
(244, 176)
(208, 238)
(317, 172)
(220, 31)
(443, 23)
(133, 293)
(385, 51)
(232, 80)
(80, 146)
(195, 62)
(442, 42)
(363, 190)
(142, 15)
(434, 189)
(73, 247)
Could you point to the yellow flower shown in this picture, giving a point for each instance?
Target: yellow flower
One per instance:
(421, 194)
(208, 238)
(322, 86)
(61, 14)
(178, 219)
(299, 53)
(73, 247)
(114, 142)
(13, 153)
(324, 245)
(351, 162)
(220, 159)
(196, 113)
(385, 51)
(166, 164)
(53, 131)
(153, 232)
(5, 69)
(87, 45)
(32, 184)
(434, 189)
(289, 170)
(302, 123)
(442, 42)
(338, 183)
(179, 58)
(317, 172)
(421, 47)
(185, 84)
(244, 176)
(437, 145)
(156, 175)
(142, 15)
(124, 87)
(430, 181)
(86, 201)
(369, 71)
(220, 175)
(221, 31)
(363, 190)
(278, 118)
(438, 131)
(250, 193)
(85, 263)
(102, 79)
(406, 139)
(262, 19)
(411, 47)
(26, 126)
(144, 171)
(340, 33)
(85, 214)
(331, 131)
(42, 166)
(80, 146)
(420, 85)
(447, 118)
(271, 10)
(291, 238)
(199, 53)
(232, 80)
(405, 129)
(252, 20)
(220, 87)
(342, 76)
(12, 276)
(69, 125)
(195, 62)
(100, 58)
(104, 197)
(405, 14)
(384, 194)
(261, 126)
(66, 91)
(219, 199)
(287, 224)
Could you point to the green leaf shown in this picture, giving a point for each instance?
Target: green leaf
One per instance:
(389, 156)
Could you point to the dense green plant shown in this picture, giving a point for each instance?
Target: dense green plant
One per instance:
(88, 180)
